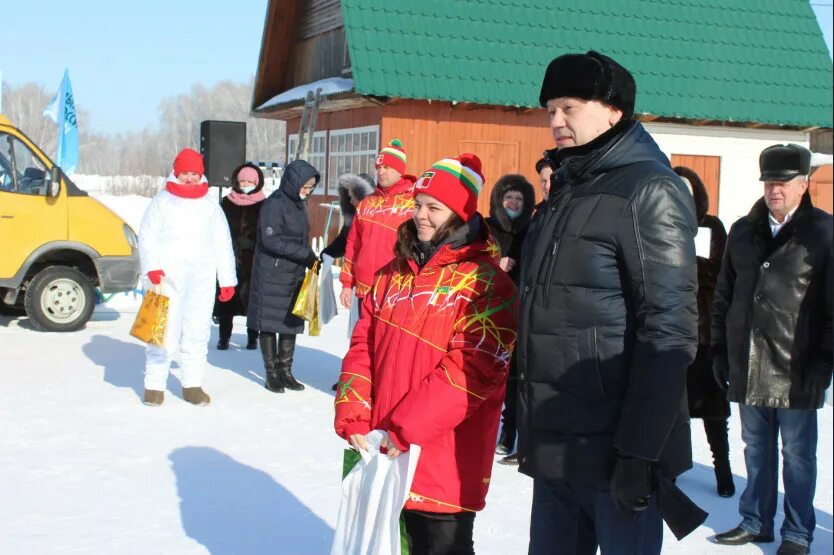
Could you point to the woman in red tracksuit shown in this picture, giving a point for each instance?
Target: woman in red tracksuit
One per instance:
(428, 360)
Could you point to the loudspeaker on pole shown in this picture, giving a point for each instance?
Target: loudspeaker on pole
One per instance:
(223, 146)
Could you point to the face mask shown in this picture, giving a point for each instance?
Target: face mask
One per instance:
(246, 190)
(513, 214)
(303, 196)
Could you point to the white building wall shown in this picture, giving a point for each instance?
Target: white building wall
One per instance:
(739, 149)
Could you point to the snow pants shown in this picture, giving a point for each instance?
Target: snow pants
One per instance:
(189, 328)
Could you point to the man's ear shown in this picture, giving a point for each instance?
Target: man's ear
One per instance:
(614, 116)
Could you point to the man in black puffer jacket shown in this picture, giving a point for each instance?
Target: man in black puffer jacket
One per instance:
(608, 324)
(772, 341)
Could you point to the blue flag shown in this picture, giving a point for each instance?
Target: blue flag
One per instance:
(62, 111)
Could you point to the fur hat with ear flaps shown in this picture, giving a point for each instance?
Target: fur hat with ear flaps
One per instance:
(589, 76)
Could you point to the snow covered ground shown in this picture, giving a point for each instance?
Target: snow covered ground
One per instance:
(85, 467)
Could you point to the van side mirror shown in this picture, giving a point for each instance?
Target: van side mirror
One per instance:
(53, 183)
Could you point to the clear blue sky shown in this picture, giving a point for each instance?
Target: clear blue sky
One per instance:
(125, 56)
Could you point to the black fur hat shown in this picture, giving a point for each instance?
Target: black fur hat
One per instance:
(590, 76)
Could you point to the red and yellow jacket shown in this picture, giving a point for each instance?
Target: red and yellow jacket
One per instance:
(370, 242)
(428, 363)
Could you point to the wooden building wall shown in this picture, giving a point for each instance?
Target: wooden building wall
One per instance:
(822, 194)
(329, 121)
(506, 140)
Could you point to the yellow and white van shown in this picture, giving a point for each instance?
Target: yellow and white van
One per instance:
(56, 242)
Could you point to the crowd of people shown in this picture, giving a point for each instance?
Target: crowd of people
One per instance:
(587, 328)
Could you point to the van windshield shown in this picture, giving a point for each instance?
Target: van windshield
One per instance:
(20, 170)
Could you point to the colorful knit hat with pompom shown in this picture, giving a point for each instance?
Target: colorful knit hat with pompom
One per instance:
(392, 156)
(456, 182)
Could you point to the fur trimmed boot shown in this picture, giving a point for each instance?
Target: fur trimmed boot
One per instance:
(153, 398)
(196, 396)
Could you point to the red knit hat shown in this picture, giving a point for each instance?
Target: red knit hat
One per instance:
(188, 160)
(392, 156)
(455, 182)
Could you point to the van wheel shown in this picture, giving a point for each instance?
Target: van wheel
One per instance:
(59, 298)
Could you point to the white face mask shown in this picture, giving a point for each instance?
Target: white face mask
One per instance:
(247, 189)
(513, 214)
(303, 196)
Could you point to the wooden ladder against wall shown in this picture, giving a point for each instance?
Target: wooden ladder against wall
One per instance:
(307, 127)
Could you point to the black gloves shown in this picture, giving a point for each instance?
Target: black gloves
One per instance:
(311, 260)
(721, 368)
(631, 484)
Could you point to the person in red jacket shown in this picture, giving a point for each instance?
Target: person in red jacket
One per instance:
(429, 357)
(370, 242)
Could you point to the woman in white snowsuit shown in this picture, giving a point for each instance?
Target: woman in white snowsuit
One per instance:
(184, 244)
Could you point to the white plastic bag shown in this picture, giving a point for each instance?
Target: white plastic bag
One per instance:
(327, 297)
(373, 495)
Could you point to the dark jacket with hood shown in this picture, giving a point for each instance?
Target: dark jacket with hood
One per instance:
(509, 233)
(283, 247)
(360, 188)
(243, 227)
(706, 399)
(772, 315)
(608, 318)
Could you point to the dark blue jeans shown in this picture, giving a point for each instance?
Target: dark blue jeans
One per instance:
(760, 428)
(575, 520)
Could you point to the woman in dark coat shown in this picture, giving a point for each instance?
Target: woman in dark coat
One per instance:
(706, 400)
(242, 207)
(352, 189)
(511, 207)
(281, 256)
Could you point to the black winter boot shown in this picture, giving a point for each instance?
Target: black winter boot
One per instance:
(225, 333)
(716, 430)
(269, 349)
(252, 339)
(286, 349)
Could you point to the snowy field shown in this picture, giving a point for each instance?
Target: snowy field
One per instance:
(85, 467)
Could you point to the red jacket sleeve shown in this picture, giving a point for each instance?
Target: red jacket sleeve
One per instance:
(352, 246)
(355, 389)
(475, 364)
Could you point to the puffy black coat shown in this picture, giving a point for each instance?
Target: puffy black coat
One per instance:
(282, 248)
(243, 226)
(772, 314)
(509, 233)
(347, 184)
(608, 316)
(706, 399)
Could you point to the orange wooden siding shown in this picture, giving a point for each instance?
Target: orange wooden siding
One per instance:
(821, 188)
(708, 169)
(507, 141)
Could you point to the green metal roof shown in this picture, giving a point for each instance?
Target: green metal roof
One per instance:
(760, 61)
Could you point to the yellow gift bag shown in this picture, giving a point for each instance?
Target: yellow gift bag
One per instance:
(306, 303)
(152, 319)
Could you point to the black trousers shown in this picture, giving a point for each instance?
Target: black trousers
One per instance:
(438, 533)
(226, 321)
(508, 415)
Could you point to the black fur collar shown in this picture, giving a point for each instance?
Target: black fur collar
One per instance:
(759, 215)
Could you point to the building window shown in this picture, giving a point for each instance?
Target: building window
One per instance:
(317, 158)
(351, 151)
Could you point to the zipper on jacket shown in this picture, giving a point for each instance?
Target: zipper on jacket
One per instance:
(554, 250)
